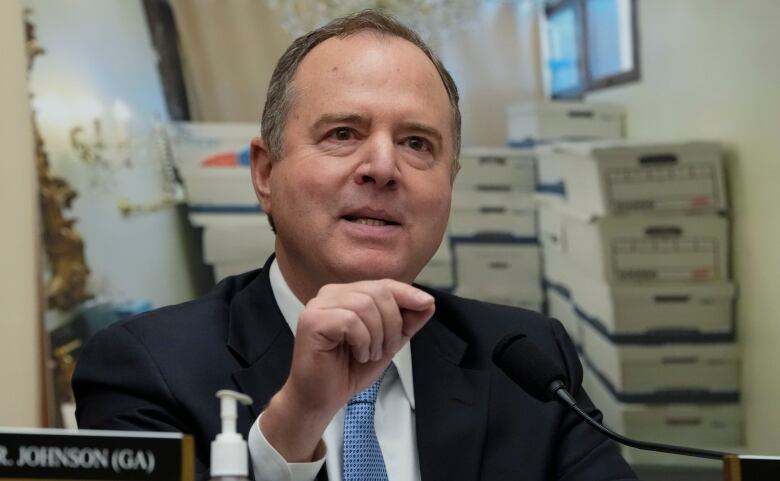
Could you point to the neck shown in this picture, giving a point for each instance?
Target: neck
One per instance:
(304, 286)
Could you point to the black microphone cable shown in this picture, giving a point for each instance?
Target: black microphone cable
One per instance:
(542, 378)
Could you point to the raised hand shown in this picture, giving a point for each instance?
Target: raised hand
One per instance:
(347, 336)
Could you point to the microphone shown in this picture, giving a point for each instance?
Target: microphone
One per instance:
(541, 377)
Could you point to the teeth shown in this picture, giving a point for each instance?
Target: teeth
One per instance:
(369, 221)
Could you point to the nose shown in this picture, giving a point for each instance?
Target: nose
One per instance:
(379, 164)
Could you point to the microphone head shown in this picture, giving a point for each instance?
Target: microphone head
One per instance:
(528, 366)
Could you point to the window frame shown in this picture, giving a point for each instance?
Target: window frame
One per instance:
(587, 82)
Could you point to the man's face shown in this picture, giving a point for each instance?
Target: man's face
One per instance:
(362, 190)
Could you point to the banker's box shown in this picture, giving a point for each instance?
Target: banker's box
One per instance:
(560, 307)
(607, 178)
(235, 243)
(692, 424)
(556, 267)
(438, 273)
(220, 189)
(640, 249)
(525, 296)
(668, 309)
(531, 123)
(497, 266)
(664, 371)
(509, 213)
(213, 159)
(485, 167)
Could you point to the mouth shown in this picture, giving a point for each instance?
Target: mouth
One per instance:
(370, 221)
(371, 218)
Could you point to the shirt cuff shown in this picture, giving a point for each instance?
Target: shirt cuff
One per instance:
(269, 465)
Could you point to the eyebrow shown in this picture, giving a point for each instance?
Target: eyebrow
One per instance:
(341, 118)
(425, 129)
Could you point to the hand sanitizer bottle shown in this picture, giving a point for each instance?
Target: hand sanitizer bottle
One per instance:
(229, 454)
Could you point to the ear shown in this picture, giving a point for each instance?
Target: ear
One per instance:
(261, 172)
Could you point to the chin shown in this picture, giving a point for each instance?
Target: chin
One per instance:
(371, 266)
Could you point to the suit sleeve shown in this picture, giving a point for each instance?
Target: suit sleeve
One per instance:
(584, 453)
(118, 386)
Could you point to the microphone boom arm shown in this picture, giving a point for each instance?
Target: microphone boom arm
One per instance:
(562, 395)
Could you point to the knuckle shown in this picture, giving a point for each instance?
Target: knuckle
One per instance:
(351, 319)
(364, 303)
(381, 290)
(325, 290)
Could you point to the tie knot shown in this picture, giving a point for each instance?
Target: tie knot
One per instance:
(369, 394)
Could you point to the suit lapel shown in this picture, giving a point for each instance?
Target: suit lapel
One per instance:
(451, 405)
(259, 336)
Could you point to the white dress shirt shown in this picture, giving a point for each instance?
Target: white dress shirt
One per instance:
(393, 419)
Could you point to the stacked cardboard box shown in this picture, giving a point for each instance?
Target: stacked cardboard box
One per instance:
(536, 123)
(213, 160)
(636, 255)
(492, 230)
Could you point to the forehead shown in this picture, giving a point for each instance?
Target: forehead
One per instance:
(370, 66)
(369, 48)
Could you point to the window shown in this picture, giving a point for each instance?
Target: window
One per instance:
(590, 44)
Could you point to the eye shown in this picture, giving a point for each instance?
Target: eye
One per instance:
(342, 133)
(419, 144)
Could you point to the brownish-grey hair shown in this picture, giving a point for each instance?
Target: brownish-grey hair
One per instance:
(281, 90)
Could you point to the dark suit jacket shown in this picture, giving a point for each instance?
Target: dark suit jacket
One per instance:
(160, 371)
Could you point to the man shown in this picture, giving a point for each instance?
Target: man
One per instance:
(361, 133)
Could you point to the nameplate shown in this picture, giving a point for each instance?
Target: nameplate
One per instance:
(751, 468)
(58, 454)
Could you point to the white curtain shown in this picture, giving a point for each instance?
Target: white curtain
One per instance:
(230, 48)
(495, 61)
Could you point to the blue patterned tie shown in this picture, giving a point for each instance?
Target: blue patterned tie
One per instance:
(362, 458)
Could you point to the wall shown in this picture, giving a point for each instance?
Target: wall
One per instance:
(710, 70)
(494, 60)
(99, 53)
(19, 329)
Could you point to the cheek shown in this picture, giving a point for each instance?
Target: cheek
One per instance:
(435, 201)
(303, 191)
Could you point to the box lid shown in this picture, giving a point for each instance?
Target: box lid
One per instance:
(471, 152)
(618, 148)
(568, 108)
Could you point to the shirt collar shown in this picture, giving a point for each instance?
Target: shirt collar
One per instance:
(292, 307)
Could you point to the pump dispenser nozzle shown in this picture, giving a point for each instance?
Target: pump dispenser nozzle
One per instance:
(229, 456)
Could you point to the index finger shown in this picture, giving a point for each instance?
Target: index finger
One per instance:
(416, 305)
(408, 297)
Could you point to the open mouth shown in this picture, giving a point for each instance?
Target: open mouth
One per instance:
(371, 221)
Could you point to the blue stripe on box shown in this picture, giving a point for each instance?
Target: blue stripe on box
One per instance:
(665, 397)
(225, 209)
(494, 238)
(654, 338)
(556, 188)
(528, 143)
(559, 288)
